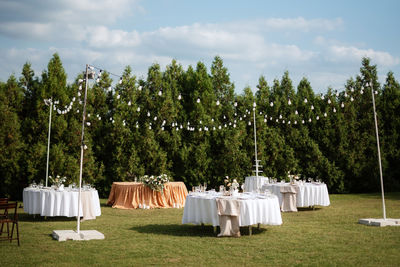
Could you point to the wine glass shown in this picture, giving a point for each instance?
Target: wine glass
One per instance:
(221, 188)
(243, 187)
(205, 187)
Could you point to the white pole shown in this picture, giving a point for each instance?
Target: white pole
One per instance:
(255, 138)
(379, 152)
(48, 142)
(82, 148)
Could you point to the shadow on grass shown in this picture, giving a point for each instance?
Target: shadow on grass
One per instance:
(24, 217)
(189, 230)
(390, 195)
(305, 209)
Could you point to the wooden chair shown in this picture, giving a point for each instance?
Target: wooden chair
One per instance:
(3, 200)
(8, 218)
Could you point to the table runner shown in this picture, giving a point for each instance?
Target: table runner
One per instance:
(133, 195)
(289, 197)
(228, 213)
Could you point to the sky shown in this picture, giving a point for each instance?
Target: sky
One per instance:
(323, 41)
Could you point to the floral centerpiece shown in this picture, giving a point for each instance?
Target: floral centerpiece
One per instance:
(233, 185)
(156, 183)
(293, 177)
(57, 180)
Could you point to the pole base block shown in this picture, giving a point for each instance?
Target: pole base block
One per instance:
(380, 222)
(64, 235)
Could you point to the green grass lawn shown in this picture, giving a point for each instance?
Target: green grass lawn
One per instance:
(328, 236)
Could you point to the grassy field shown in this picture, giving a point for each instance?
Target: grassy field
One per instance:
(328, 236)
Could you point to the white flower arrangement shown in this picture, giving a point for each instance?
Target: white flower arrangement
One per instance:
(156, 183)
(234, 184)
(57, 180)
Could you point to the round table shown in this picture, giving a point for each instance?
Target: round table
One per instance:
(308, 194)
(50, 202)
(201, 208)
(252, 183)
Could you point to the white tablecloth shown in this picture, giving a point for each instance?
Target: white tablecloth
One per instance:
(310, 194)
(51, 203)
(252, 183)
(254, 209)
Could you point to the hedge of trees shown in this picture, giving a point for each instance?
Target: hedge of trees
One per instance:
(140, 126)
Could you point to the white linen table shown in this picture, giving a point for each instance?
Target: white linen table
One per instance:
(252, 183)
(254, 209)
(49, 202)
(309, 194)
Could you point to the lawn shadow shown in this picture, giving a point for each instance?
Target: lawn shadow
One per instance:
(104, 205)
(389, 195)
(305, 209)
(24, 217)
(188, 230)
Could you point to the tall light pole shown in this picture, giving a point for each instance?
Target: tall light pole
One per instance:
(384, 221)
(82, 149)
(379, 150)
(48, 102)
(63, 235)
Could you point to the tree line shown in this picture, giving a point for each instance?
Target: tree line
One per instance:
(170, 123)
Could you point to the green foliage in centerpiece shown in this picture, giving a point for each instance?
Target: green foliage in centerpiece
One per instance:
(156, 183)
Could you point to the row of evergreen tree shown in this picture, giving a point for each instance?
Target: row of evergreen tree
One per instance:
(141, 126)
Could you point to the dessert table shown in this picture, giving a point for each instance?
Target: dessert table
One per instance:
(201, 208)
(51, 202)
(133, 195)
(308, 194)
(252, 183)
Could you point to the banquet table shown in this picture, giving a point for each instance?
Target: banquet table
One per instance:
(201, 208)
(133, 195)
(252, 183)
(51, 202)
(308, 194)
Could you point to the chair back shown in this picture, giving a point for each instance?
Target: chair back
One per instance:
(3, 200)
(9, 208)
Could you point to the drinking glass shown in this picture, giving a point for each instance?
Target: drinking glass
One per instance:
(221, 188)
(205, 187)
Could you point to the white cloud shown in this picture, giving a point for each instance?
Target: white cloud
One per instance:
(301, 24)
(346, 53)
(63, 19)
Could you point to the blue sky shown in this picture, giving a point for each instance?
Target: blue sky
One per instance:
(323, 41)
